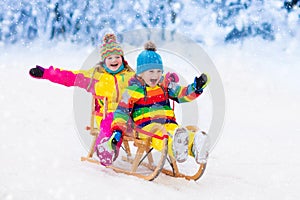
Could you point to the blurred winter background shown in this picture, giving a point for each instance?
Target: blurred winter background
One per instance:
(209, 22)
(254, 45)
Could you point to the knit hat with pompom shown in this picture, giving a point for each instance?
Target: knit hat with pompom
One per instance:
(110, 46)
(148, 59)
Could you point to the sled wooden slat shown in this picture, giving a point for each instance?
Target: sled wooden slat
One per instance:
(91, 160)
(194, 177)
(146, 177)
(175, 172)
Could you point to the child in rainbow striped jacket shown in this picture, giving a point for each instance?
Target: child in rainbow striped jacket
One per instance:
(146, 102)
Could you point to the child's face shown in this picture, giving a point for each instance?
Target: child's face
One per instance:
(152, 77)
(113, 62)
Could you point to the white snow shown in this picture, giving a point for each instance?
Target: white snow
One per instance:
(257, 156)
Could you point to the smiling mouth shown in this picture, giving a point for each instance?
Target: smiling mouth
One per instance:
(153, 81)
(114, 65)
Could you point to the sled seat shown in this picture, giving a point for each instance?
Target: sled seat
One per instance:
(142, 156)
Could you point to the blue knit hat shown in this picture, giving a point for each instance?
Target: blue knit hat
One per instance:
(148, 59)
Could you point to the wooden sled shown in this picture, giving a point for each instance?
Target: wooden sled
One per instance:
(140, 159)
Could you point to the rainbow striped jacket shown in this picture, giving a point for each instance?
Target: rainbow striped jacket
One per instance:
(143, 105)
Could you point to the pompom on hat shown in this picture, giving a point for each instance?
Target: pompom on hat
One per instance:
(148, 59)
(110, 46)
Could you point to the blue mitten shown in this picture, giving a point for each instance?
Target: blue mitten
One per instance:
(114, 139)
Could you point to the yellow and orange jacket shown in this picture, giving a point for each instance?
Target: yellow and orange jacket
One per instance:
(96, 81)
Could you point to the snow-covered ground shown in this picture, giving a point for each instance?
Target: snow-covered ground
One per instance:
(257, 156)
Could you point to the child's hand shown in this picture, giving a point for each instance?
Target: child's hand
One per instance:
(201, 82)
(172, 77)
(37, 72)
(114, 139)
(169, 78)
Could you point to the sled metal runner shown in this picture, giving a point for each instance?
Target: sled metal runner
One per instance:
(143, 160)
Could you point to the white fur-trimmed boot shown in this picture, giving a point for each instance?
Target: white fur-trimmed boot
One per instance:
(180, 144)
(200, 147)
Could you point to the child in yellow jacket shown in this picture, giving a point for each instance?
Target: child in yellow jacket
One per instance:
(146, 102)
(108, 79)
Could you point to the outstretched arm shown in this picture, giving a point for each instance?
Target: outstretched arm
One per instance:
(64, 77)
(190, 92)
